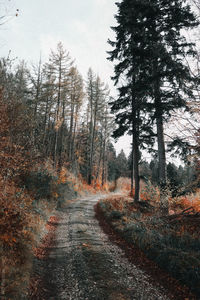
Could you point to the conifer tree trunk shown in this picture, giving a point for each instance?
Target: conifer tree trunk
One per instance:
(71, 128)
(92, 147)
(161, 151)
(38, 88)
(104, 163)
(132, 169)
(162, 165)
(90, 136)
(57, 116)
(100, 156)
(91, 151)
(60, 63)
(73, 147)
(61, 135)
(93, 134)
(161, 147)
(135, 153)
(45, 122)
(136, 165)
(103, 180)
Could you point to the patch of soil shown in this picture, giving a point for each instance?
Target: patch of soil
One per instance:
(137, 257)
(37, 285)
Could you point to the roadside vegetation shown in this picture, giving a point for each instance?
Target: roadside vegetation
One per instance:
(29, 214)
(156, 73)
(171, 241)
(55, 143)
(30, 200)
(40, 169)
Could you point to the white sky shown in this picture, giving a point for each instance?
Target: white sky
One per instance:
(83, 26)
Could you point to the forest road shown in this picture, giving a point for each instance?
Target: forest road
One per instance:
(85, 265)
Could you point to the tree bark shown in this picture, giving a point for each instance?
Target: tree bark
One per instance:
(135, 152)
(136, 164)
(93, 134)
(103, 180)
(160, 139)
(162, 164)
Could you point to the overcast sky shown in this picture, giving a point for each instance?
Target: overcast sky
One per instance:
(83, 26)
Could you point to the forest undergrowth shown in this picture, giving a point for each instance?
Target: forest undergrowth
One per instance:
(171, 241)
(29, 216)
(32, 191)
(44, 159)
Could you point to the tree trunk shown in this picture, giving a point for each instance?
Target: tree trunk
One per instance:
(93, 134)
(160, 139)
(61, 158)
(90, 157)
(55, 148)
(132, 169)
(104, 164)
(73, 145)
(135, 152)
(57, 114)
(45, 124)
(162, 164)
(100, 157)
(136, 164)
(90, 145)
(70, 149)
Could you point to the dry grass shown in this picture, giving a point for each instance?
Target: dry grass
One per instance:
(183, 202)
(171, 241)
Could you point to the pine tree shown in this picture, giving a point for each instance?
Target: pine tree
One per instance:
(131, 78)
(149, 49)
(122, 165)
(169, 77)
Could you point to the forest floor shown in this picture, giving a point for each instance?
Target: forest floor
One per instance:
(84, 263)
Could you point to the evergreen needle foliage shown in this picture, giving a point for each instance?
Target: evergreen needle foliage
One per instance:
(150, 73)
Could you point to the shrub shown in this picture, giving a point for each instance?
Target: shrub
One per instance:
(40, 182)
(116, 214)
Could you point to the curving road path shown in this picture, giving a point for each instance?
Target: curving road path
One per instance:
(85, 265)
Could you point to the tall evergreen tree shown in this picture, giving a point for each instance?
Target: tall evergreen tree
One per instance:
(170, 77)
(131, 78)
(149, 49)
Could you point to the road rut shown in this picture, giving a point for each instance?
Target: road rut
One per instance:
(85, 265)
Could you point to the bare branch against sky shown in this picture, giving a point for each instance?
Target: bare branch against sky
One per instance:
(82, 26)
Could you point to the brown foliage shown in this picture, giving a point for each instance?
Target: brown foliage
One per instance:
(15, 203)
(42, 251)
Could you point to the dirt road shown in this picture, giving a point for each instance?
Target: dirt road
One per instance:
(84, 264)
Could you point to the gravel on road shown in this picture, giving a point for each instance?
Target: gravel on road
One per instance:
(85, 265)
